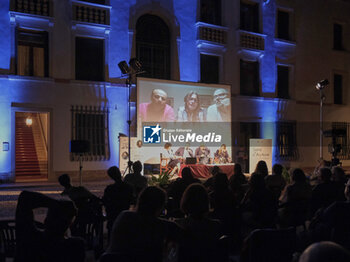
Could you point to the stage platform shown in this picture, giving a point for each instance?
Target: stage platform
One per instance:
(203, 171)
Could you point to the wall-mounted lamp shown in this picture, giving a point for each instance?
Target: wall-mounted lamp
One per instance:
(5, 146)
(29, 121)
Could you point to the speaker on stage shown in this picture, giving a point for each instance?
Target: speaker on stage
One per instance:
(79, 146)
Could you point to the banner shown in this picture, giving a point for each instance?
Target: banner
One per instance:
(260, 149)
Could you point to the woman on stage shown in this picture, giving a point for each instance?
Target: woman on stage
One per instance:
(221, 155)
(174, 162)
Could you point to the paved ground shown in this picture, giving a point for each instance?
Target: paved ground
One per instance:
(9, 193)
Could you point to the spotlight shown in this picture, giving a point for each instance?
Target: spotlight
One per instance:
(135, 65)
(124, 68)
(322, 84)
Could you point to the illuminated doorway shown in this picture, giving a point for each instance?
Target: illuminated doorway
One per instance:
(31, 146)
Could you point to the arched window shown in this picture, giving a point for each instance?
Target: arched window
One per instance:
(153, 46)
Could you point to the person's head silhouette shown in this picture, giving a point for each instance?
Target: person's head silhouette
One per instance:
(114, 173)
(64, 180)
(151, 201)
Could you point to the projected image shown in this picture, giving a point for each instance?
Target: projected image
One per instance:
(194, 118)
(169, 102)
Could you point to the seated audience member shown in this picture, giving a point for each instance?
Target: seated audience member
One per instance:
(222, 203)
(88, 205)
(295, 200)
(141, 233)
(259, 207)
(202, 154)
(117, 197)
(210, 181)
(275, 182)
(325, 193)
(51, 244)
(261, 168)
(316, 174)
(137, 181)
(157, 110)
(75, 193)
(221, 155)
(333, 223)
(339, 179)
(238, 184)
(192, 110)
(176, 190)
(325, 252)
(201, 233)
(221, 197)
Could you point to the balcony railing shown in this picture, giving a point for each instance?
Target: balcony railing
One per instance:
(91, 13)
(212, 33)
(251, 40)
(35, 7)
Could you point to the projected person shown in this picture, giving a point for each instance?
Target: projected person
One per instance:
(157, 110)
(191, 111)
(221, 109)
(221, 155)
(203, 155)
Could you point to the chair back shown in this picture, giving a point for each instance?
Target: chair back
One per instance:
(163, 164)
(92, 233)
(130, 256)
(7, 239)
(271, 245)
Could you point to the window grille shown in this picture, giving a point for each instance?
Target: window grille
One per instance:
(341, 133)
(91, 123)
(286, 141)
(153, 46)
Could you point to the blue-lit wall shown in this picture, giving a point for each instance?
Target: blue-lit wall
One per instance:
(179, 15)
(5, 42)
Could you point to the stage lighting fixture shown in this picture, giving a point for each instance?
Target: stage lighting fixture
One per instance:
(135, 65)
(322, 84)
(124, 68)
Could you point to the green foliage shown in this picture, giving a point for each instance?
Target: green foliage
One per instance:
(162, 180)
(286, 176)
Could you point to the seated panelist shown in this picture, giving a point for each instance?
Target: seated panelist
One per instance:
(203, 155)
(221, 155)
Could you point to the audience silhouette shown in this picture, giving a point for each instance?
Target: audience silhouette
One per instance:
(50, 244)
(325, 252)
(201, 234)
(141, 234)
(88, 205)
(201, 223)
(135, 179)
(117, 197)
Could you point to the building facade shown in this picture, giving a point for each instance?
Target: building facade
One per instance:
(60, 79)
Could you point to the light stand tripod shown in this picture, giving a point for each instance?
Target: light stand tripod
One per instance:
(80, 170)
(134, 68)
(129, 167)
(320, 86)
